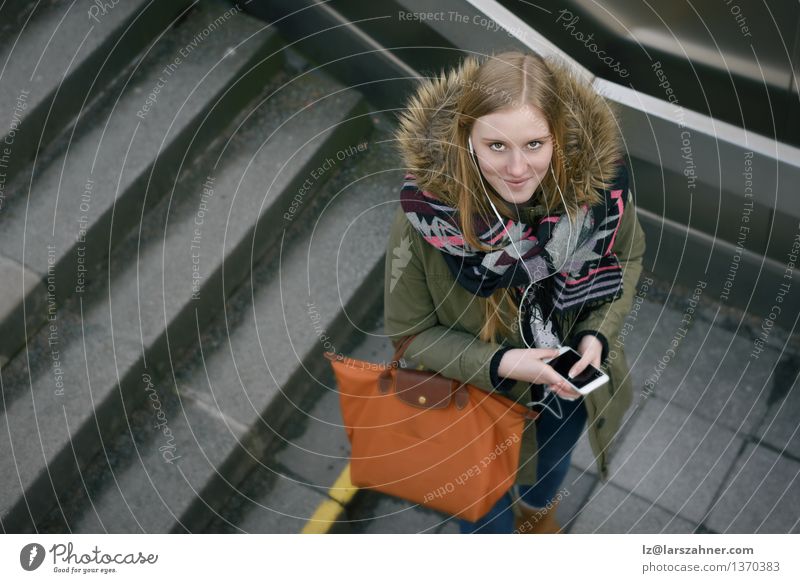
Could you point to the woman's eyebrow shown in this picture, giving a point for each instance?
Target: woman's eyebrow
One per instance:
(539, 139)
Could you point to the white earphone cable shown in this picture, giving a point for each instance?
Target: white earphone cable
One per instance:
(519, 255)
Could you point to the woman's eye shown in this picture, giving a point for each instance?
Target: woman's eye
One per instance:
(501, 146)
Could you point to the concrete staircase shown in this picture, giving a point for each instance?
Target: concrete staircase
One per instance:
(180, 250)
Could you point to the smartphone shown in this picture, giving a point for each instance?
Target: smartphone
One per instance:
(586, 381)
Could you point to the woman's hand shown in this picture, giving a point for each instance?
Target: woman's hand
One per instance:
(591, 351)
(526, 364)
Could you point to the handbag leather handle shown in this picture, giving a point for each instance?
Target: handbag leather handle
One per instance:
(460, 393)
(401, 348)
(385, 379)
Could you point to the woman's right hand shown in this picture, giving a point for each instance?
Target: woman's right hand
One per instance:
(526, 364)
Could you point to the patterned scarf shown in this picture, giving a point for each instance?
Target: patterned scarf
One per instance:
(585, 272)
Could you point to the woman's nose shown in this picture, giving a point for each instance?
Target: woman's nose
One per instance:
(518, 165)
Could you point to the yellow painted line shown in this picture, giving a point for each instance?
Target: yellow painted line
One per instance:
(343, 490)
(324, 516)
(329, 511)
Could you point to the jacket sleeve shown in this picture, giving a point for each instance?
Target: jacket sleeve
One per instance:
(409, 309)
(606, 320)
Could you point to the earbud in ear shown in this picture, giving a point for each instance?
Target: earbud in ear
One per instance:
(469, 141)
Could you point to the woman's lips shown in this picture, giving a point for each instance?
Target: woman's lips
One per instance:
(516, 184)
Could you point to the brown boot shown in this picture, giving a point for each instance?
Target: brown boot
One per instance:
(532, 520)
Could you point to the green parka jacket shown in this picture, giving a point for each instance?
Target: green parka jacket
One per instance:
(422, 297)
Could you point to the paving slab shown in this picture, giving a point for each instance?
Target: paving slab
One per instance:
(779, 427)
(583, 456)
(576, 488)
(674, 459)
(644, 345)
(375, 513)
(641, 333)
(762, 495)
(715, 377)
(611, 510)
(449, 527)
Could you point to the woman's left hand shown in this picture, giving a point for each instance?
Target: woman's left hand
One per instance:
(591, 350)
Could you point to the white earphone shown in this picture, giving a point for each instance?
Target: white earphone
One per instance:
(525, 293)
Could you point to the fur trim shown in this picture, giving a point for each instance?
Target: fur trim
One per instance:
(592, 142)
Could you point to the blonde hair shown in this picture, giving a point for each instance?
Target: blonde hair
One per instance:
(508, 80)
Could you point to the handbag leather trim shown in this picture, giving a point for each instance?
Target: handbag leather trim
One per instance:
(423, 389)
(418, 388)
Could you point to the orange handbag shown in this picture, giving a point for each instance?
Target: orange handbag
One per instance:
(421, 436)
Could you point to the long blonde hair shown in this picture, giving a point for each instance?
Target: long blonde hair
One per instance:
(508, 80)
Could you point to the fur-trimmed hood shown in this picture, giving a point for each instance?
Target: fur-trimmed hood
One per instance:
(592, 143)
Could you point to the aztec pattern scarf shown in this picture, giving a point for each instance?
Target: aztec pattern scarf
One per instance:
(571, 263)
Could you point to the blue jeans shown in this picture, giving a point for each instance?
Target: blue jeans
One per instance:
(556, 438)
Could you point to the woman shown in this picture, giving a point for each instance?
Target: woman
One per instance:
(551, 255)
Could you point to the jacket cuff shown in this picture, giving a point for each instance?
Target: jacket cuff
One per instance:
(576, 340)
(498, 382)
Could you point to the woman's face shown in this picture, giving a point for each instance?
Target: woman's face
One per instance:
(514, 148)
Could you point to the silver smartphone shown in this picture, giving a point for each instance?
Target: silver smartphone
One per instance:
(587, 381)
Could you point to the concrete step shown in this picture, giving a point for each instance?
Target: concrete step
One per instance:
(258, 362)
(13, 16)
(214, 227)
(58, 55)
(115, 164)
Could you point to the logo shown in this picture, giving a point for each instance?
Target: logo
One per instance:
(402, 255)
(31, 556)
